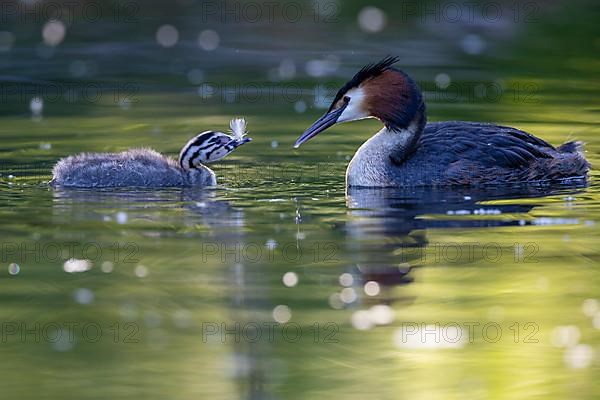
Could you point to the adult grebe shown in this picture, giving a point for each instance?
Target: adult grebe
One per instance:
(148, 168)
(409, 152)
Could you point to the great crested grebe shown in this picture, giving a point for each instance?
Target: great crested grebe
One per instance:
(148, 168)
(410, 152)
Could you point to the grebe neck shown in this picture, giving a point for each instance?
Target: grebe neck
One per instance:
(403, 140)
(374, 161)
(397, 101)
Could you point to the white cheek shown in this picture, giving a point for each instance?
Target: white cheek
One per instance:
(353, 113)
(354, 110)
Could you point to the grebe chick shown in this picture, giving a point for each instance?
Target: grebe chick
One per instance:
(148, 168)
(409, 152)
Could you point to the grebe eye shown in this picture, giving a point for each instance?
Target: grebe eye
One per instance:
(346, 99)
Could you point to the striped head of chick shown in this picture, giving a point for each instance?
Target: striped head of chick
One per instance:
(211, 146)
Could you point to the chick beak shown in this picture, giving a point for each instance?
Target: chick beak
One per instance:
(238, 142)
(327, 120)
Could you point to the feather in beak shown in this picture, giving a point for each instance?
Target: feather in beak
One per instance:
(239, 131)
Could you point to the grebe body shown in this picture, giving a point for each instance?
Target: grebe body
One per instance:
(148, 168)
(464, 153)
(410, 152)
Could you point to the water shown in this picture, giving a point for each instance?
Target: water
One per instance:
(279, 284)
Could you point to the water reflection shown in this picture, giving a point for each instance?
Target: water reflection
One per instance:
(115, 205)
(388, 227)
(250, 359)
(398, 212)
(218, 231)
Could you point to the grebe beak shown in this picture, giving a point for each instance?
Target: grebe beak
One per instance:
(327, 120)
(238, 143)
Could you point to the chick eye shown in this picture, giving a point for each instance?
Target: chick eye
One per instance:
(346, 99)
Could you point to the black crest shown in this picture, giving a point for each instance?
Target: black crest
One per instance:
(368, 71)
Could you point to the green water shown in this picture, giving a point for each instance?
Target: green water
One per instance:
(278, 284)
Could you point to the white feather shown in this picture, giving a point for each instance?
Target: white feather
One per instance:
(238, 128)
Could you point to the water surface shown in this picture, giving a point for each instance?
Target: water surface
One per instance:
(278, 284)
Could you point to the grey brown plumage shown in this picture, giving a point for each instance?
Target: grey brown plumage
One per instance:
(135, 167)
(148, 168)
